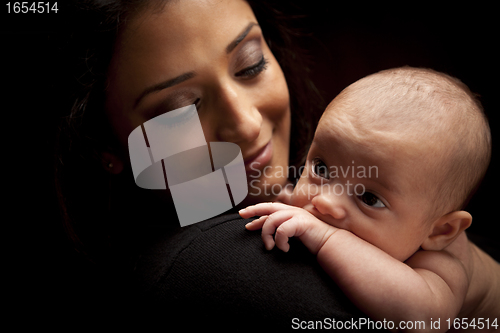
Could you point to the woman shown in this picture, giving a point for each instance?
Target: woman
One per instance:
(152, 57)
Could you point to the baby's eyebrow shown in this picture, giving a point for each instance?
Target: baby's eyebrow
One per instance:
(385, 183)
(387, 186)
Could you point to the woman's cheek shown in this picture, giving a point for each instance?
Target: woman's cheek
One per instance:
(278, 93)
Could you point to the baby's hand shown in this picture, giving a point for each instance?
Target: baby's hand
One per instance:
(284, 221)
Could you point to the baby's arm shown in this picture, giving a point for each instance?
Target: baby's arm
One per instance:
(429, 285)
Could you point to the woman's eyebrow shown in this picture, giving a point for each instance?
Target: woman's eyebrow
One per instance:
(240, 37)
(186, 76)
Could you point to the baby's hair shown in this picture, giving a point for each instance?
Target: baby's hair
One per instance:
(439, 114)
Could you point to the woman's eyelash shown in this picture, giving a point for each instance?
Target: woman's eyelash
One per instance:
(180, 118)
(197, 103)
(255, 69)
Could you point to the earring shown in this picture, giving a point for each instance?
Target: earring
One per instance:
(111, 163)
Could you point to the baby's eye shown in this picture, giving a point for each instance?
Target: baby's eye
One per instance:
(371, 200)
(320, 169)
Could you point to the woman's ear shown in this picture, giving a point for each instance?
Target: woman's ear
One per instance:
(445, 229)
(111, 163)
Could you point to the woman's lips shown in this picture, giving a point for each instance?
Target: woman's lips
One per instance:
(259, 159)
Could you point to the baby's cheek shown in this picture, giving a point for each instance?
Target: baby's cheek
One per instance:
(399, 249)
(300, 195)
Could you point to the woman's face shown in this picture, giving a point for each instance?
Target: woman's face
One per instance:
(212, 54)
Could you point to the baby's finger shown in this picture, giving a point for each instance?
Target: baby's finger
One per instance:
(273, 221)
(256, 224)
(286, 230)
(261, 209)
(281, 240)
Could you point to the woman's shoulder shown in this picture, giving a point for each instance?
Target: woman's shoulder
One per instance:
(167, 245)
(217, 268)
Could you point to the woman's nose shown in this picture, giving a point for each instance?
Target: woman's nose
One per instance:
(238, 120)
(329, 204)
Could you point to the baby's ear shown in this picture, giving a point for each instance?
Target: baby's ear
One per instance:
(445, 229)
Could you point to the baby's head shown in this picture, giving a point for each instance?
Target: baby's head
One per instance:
(411, 145)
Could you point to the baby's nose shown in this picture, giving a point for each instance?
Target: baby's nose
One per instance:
(329, 204)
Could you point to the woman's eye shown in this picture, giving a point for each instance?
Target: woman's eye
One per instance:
(254, 70)
(371, 200)
(320, 169)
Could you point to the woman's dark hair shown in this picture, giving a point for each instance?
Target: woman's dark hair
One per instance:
(84, 131)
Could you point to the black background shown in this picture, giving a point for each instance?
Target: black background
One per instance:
(345, 43)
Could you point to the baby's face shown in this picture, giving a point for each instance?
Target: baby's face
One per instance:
(355, 180)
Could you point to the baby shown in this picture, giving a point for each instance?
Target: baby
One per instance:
(394, 160)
